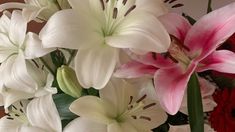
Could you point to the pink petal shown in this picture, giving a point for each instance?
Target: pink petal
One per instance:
(176, 25)
(170, 86)
(222, 61)
(156, 60)
(210, 31)
(135, 69)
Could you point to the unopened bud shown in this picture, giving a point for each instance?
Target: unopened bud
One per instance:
(68, 82)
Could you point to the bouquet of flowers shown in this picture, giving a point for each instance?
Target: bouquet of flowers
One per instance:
(116, 66)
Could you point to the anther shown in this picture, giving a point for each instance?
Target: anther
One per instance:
(179, 43)
(115, 12)
(17, 115)
(177, 5)
(10, 118)
(102, 4)
(142, 98)
(21, 111)
(134, 117)
(124, 2)
(171, 57)
(21, 104)
(14, 107)
(130, 9)
(154, 55)
(145, 118)
(149, 105)
(107, 1)
(131, 99)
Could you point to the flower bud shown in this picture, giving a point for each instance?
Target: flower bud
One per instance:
(68, 82)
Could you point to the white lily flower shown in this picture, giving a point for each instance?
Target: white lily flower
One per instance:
(16, 46)
(40, 115)
(40, 9)
(120, 108)
(98, 28)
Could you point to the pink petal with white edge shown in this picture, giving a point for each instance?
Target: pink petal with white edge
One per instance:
(135, 69)
(210, 31)
(222, 61)
(170, 85)
(176, 25)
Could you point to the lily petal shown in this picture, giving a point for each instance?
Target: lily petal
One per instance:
(9, 125)
(118, 92)
(222, 61)
(155, 7)
(122, 127)
(210, 31)
(42, 113)
(100, 61)
(15, 75)
(134, 69)
(33, 47)
(170, 91)
(137, 34)
(6, 47)
(11, 96)
(4, 23)
(93, 108)
(26, 128)
(18, 28)
(176, 25)
(62, 31)
(85, 125)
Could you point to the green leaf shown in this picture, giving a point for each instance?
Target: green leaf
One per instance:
(63, 101)
(195, 109)
(189, 18)
(209, 8)
(94, 92)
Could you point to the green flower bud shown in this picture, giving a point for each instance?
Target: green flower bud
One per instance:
(68, 82)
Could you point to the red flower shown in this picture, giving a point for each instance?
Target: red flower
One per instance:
(223, 116)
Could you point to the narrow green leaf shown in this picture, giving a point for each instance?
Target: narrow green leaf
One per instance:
(209, 8)
(195, 109)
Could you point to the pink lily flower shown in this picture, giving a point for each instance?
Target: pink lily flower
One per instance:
(193, 49)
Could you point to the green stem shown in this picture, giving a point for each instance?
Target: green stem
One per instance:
(73, 54)
(47, 66)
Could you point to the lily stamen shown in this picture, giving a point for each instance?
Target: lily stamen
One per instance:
(149, 105)
(130, 9)
(142, 98)
(102, 4)
(124, 2)
(115, 12)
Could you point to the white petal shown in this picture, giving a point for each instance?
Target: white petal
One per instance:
(7, 125)
(18, 28)
(4, 23)
(85, 125)
(15, 75)
(156, 7)
(137, 32)
(93, 108)
(68, 29)
(118, 93)
(6, 47)
(42, 113)
(33, 47)
(26, 128)
(11, 96)
(100, 61)
(122, 127)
